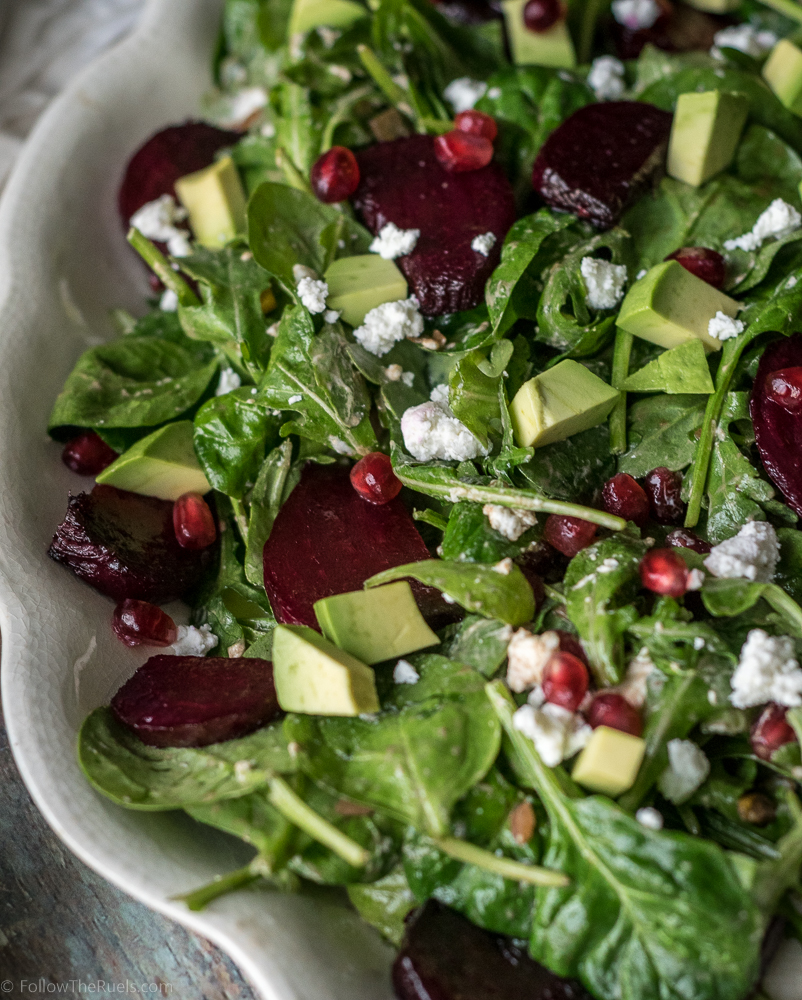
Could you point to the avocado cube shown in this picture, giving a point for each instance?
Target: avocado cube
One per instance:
(669, 305)
(309, 14)
(553, 47)
(163, 465)
(783, 73)
(359, 284)
(610, 762)
(561, 401)
(215, 202)
(704, 134)
(375, 625)
(682, 369)
(314, 677)
(714, 6)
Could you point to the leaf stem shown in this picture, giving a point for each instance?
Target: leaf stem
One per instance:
(162, 268)
(200, 898)
(787, 7)
(784, 604)
(618, 417)
(396, 95)
(294, 177)
(462, 850)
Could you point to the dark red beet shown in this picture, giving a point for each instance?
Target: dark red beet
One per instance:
(771, 731)
(88, 454)
(403, 183)
(124, 545)
(326, 540)
(704, 263)
(663, 571)
(683, 538)
(192, 701)
(335, 175)
(446, 957)
(785, 387)
(611, 709)
(568, 535)
(374, 480)
(139, 623)
(624, 496)
(664, 489)
(778, 430)
(565, 681)
(476, 123)
(193, 522)
(628, 140)
(460, 152)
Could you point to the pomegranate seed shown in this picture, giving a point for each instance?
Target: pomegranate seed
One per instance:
(706, 264)
(140, 623)
(335, 175)
(785, 388)
(771, 731)
(459, 151)
(540, 15)
(682, 538)
(570, 644)
(193, 522)
(568, 535)
(565, 681)
(623, 496)
(664, 572)
(476, 123)
(373, 478)
(664, 488)
(88, 454)
(613, 710)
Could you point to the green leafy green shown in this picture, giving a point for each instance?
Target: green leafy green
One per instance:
(662, 432)
(384, 903)
(274, 483)
(469, 538)
(576, 467)
(481, 643)
(682, 369)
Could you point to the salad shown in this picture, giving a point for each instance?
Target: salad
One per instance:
(466, 419)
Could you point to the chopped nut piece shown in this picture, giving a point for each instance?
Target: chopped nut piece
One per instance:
(388, 125)
(756, 808)
(522, 822)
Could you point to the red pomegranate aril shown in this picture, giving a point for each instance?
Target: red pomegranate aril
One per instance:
(335, 175)
(706, 264)
(785, 388)
(568, 535)
(140, 623)
(683, 538)
(88, 454)
(570, 644)
(193, 522)
(664, 572)
(664, 489)
(458, 152)
(475, 122)
(373, 478)
(771, 731)
(624, 496)
(540, 15)
(565, 681)
(611, 709)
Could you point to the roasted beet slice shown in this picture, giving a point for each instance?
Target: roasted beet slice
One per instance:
(328, 540)
(628, 140)
(778, 429)
(124, 545)
(191, 701)
(445, 957)
(402, 182)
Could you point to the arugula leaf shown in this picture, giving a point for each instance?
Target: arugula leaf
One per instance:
(469, 538)
(576, 467)
(731, 598)
(661, 432)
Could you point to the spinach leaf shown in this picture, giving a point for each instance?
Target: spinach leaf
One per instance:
(473, 390)
(384, 903)
(481, 643)
(440, 678)
(576, 467)
(661, 432)
(731, 598)
(274, 483)
(789, 568)
(469, 538)
(253, 819)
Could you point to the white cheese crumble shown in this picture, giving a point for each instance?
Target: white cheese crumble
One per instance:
(242, 771)
(192, 641)
(389, 323)
(331, 315)
(687, 768)
(649, 818)
(636, 14)
(243, 106)
(527, 656)
(504, 567)
(556, 732)
(767, 671)
(338, 445)
(484, 244)
(752, 554)
(229, 381)
(313, 294)
(294, 399)
(696, 579)
(302, 271)
(464, 92)
(606, 78)
(722, 326)
(405, 673)
(608, 566)
(393, 242)
(779, 219)
(509, 522)
(439, 394)
(431, 431)
(157, 221)
(604, 282)
(634, 686)
(169, 301)
(745, 38)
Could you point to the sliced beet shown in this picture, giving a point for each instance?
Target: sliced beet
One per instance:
(402, 182)
(124, 545)
(778, 430)
(192, 701)
(602, 159)
(446, 957)
(328, 540)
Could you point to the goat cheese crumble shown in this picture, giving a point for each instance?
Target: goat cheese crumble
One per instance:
(604, 282)
(509, 522)
(313, 294)
(636, 14)
(779, 219)
(483, 244)
(606, 78)
(393, 242)
(745, 38)
(722, 326)
(243, 106)
(157, 221)
(464, 92)
(192, 641)
(389, 323)
(556, 732)
(687, 768)
(752, 554)
(649, 818)
(395, 373)
(229, 381)
(405, 673)
(431, 431)
(169, 301)
(767, 671)
(634, 686)
(527, 656)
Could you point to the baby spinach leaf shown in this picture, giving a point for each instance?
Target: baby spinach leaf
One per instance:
(469, 538)
(661, 432)
(440, 678)
(731, 598)
(481, 643)
(253, 819)
(274, 483)
(384, 904)
(576, 467)
(789, 569)
(473, 392)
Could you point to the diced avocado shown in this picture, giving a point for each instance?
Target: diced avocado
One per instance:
(714, 6)
(610, 762)
(375, 625)
(561, 401)
(682, 369)
(704, 134)
(309, 14)
(162, 465)
(215, 201)
(669, 305)
(783, 73)
(314, 677)
(553, 47)
(359, 284)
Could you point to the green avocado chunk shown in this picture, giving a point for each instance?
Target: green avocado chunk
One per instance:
(714, 6)
(309, 14)
(215, 203)
(162, 465)
(553, 47)
(704, 134)
(314, 677)
(682, 369)
(359, 284)
(375, 625)
(561, 401)
(783, 73)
